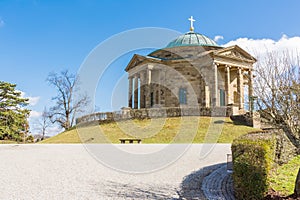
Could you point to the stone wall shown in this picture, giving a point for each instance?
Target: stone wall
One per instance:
(247, 119)
(127, 113)
(285, 150)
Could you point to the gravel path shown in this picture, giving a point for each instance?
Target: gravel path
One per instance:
(218, 184)
(191, 186)
(70, 172)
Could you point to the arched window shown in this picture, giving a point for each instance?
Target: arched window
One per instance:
(222, 97)
(235, 97)
(151, 99)
(182, 96)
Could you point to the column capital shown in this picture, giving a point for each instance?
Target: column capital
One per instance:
(150, 67)
(239, 70)
(227, 68)
(217, 64)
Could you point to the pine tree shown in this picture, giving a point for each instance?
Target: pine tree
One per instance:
(13, 115)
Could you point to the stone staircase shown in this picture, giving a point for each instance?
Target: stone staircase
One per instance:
(256, 120)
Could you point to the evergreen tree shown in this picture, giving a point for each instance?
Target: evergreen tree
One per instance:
(13, 115)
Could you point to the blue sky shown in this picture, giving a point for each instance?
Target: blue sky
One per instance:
(39, 37)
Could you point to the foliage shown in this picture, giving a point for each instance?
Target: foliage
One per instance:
(30, 139)
(283, 179)
(165, 135)
(66, 106)
(277, 85)
(13, 115)
(253, 156)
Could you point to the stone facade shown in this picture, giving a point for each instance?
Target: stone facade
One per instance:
(190, 76)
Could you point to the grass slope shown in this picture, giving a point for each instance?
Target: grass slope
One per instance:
(8, 142)
(283, 180)
(157, 131)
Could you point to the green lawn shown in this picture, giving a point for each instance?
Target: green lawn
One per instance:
(283, 180)
(157, 131)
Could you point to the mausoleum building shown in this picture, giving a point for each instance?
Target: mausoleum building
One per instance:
(192, 70)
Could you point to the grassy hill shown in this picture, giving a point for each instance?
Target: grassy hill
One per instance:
(8, 142)
(156, 131)
(283, 179)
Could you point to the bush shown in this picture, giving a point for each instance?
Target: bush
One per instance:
(253, 156)
(30, 139)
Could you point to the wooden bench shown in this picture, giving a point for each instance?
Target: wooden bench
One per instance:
(130, 140)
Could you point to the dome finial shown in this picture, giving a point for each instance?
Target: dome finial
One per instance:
(191, 19)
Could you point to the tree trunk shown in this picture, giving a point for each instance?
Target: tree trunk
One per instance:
(297, 185)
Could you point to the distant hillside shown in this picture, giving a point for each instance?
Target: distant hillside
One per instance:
(168, 130)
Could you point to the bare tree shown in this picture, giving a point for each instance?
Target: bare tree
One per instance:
(44, 122)
(278, 89)
(67, 106)
(277, 86)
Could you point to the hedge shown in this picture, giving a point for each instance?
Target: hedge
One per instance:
(253, 157)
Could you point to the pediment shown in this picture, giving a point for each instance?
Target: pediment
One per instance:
(135, 60)
(138, 59)
(235, 52)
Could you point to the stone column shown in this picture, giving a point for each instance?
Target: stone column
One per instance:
(130, 92)
(142, 89)
(250, 90)
(214, 92)
(207, 97)
(148, 86)
(240, 85)
(227, 85)
(136, 91)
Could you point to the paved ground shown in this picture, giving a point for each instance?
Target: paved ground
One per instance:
(70, 172)
(218, 184)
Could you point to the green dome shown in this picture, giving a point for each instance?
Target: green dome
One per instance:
(192, 39)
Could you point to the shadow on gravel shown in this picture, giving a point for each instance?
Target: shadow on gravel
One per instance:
(191, 185)
(128, 191)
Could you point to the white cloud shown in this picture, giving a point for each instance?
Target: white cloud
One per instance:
(218, 37)
(50, 131)
(32, 100)
(35, 125)
(35, 114)
(259, 47)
